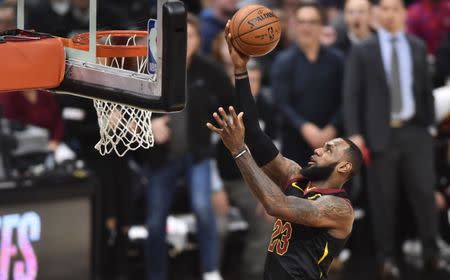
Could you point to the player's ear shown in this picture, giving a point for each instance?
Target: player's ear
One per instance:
(344, 167)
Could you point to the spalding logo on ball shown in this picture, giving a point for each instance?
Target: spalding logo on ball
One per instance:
(255, 30)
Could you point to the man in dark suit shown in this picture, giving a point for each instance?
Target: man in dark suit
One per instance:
(388, 109)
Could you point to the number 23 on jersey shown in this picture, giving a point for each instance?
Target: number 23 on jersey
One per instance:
(281, 235)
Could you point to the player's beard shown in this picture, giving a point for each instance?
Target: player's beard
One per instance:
(318, 173)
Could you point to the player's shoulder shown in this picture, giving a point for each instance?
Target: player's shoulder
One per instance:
(336, 206)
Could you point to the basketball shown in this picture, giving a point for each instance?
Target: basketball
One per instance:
(255, 30)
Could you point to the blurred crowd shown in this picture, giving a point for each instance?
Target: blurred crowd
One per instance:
(375, 71)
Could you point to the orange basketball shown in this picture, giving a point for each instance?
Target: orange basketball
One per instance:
(255, 30)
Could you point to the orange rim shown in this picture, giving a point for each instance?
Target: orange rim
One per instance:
(81, 42)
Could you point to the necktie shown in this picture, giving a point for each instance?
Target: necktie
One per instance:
(395, 89)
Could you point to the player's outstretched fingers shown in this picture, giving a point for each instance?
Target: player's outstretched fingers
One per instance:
(225, 117)
(240, 120)
(219, 120)
(227, 29)
(227, 35)
(233, 113)
(213, 128)
(237, 119)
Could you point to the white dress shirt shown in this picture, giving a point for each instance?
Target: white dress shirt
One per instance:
(406, 70)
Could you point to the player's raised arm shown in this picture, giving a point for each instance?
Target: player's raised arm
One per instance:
(333, 213)
(266, 155)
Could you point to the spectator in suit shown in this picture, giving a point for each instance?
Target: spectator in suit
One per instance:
(306, 81)
(388, 108)
(357, 18)
(183, 148)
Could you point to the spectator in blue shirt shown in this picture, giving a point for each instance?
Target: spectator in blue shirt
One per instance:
(306, 82)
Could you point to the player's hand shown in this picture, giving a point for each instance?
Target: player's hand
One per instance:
(239, 60)
(231, 130)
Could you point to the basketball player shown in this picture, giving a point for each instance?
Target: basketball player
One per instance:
(313, 216)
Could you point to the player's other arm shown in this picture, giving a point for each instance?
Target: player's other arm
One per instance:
(328, 212)
(266, 155)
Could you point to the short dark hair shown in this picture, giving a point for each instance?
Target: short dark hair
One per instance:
(316, 5)
(354, 155)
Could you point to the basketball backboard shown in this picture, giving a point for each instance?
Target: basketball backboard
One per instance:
(92, 76)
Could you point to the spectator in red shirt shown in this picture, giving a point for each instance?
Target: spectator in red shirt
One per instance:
(37, 108)
(429, 20)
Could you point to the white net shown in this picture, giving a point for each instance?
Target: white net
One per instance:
(123, 128)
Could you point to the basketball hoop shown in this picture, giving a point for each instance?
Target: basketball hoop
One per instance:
(127, 73)
(122, 127)
(107, 49)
